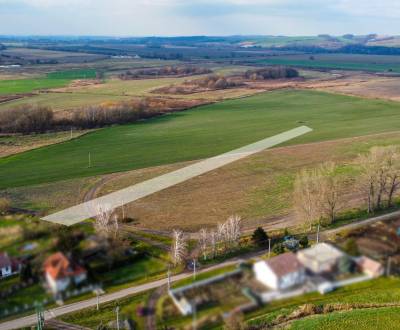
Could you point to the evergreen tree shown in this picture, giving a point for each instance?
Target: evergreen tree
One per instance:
(260, 237)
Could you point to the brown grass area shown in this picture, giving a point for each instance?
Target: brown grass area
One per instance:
(363, 85)
(13, 144)
(258, 188)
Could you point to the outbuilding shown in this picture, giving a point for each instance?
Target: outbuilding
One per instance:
(321, 258)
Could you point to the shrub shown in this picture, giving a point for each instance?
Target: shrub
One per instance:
(278, 248)
(303, 241)
(260, 237)
(351, 247)
(5, 205)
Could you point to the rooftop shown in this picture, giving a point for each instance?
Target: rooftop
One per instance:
(58, 266)
(322, 252)
(284, 264)
(5, 260)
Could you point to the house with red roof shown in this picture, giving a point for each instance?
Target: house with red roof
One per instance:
(8, 265)
(60, 272)
(280, 272)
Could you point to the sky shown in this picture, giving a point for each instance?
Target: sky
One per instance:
(198, 17)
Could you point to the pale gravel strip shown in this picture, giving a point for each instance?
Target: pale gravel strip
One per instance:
(118, 198)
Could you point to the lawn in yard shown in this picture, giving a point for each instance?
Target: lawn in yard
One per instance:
(202, 132)
(137, 271)
(91, 318)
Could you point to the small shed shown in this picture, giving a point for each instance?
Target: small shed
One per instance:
(320, 258)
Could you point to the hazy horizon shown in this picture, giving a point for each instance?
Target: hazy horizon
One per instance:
(124, 18)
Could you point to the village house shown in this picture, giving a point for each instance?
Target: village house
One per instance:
(370, 267)
(280, 272)
(8, 266)
(60, 272)
(321, 258)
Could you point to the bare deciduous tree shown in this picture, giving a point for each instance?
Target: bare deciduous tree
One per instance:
(233, 230)
(213, 243)
(328, 192)
(179, 247)
(380, 176)
(106, 225)
(203, 242)
(305, 196)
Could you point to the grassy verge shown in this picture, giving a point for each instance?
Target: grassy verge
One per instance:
(365, 319)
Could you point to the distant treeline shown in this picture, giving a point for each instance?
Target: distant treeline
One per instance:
(28, 119)
(217, 82)
(348, 49)
(181, 70)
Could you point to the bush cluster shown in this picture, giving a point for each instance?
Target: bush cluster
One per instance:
(273, 72)
(181, 70)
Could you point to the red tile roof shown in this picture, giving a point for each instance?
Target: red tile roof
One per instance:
(284, 264)
(58, 266)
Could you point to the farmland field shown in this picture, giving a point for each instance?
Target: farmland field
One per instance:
(51, 80)
(200, 133)
(372, 63)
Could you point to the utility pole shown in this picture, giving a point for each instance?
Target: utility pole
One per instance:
(117, 311)
(269, 248)
(389, 261)
(318, 234)
(97, 299)
(71, 132)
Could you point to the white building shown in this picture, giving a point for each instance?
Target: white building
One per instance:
(320, 258)
(280, 272)
(8, 266)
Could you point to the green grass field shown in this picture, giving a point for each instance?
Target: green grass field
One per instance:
(378, 291)
(371, 63)
(365, 319)
(51, 80)
(200, 133)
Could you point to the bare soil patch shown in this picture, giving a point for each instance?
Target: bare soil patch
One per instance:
(363, 85)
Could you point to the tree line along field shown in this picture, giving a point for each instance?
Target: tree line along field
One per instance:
(372, 63)
(199, 133)
(50, 80)
(111, 89)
